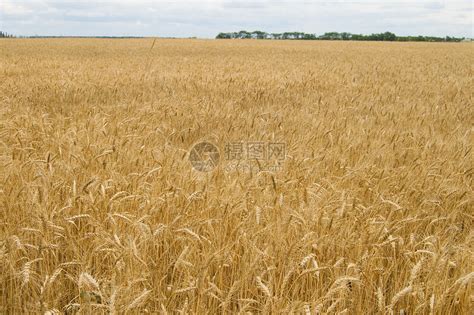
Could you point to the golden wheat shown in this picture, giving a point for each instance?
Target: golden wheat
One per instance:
(102, 212)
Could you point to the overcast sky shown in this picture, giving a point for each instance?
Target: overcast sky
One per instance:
(206, 18)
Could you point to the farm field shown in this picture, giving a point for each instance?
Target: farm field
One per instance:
(370, 210)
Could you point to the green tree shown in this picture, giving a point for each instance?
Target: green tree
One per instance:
(223, 36)
(387, 36)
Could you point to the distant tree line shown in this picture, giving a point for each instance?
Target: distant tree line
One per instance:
(5, 35)
(387, 36)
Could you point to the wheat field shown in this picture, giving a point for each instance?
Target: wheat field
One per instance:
(370, 212)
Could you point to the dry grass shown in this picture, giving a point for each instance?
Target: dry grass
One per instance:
(102, 213)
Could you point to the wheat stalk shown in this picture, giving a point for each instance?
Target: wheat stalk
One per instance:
(263, 287)
(139, 300)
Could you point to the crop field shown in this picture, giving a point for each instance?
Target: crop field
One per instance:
(342, 182)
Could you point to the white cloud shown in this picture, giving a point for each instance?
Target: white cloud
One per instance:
(207, 18)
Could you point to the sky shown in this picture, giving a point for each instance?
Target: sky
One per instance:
(206, 18)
